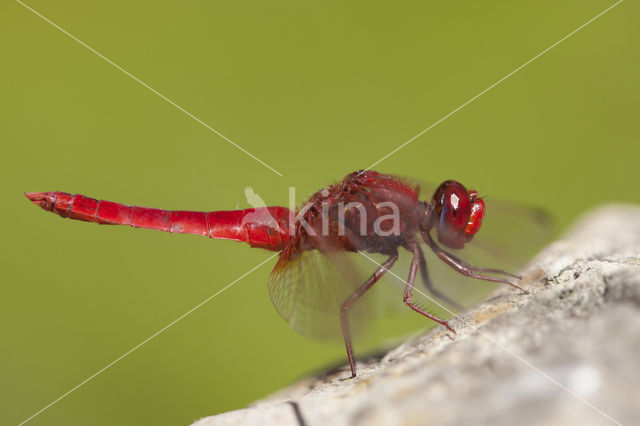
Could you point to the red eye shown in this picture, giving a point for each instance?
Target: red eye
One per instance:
(453, 205)
(477, 214)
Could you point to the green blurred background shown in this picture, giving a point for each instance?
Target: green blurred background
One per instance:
(315, 90)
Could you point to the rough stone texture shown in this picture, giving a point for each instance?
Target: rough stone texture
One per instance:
(567, 353)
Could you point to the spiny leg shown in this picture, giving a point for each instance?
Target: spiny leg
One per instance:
(346, 305)
(490, 270)
(424, 273)
(467, 270)
(408, 290)
(471, 267)
(479, 268)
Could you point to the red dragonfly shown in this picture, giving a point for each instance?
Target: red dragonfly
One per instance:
(312, 285)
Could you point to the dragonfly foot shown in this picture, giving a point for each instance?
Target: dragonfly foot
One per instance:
(344, 379)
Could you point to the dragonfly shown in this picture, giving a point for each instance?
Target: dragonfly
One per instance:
(314, 286)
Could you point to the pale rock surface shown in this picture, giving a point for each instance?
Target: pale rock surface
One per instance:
(567, 353)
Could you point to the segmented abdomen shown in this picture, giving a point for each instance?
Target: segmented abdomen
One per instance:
(265, 227)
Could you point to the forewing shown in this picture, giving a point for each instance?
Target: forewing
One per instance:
(423, 188)
(511, 233)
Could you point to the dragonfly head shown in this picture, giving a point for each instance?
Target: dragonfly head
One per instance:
(456, 214)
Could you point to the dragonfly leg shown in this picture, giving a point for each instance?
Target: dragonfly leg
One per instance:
(408, 290)
(467, 270)
(495, 271)
(346, 305)
(426, 280)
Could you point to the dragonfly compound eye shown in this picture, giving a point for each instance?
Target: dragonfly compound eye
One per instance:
(477, 214)
(453, 208)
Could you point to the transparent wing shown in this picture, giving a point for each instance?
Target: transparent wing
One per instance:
(308, 288)
(511, 233)
(423, 188)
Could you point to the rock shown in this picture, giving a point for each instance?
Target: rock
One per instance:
(567, 353)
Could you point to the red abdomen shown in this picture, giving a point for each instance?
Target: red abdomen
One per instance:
(265, 227)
